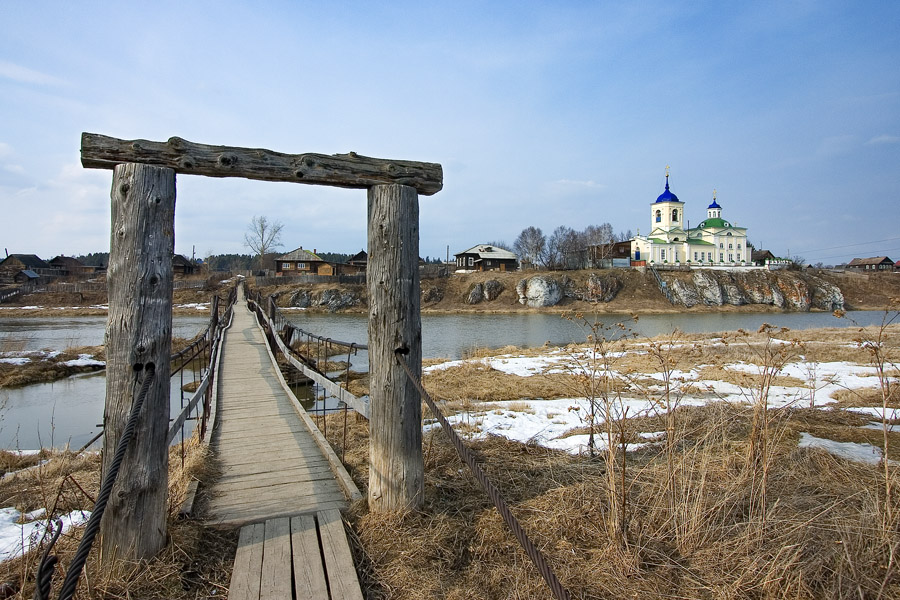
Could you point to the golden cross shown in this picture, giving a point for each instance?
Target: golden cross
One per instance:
(667, 170)
(714, 193)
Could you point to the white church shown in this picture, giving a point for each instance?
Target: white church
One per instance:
(715, 242)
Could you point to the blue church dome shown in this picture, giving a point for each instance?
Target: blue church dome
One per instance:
(667, 196)
(714, 204)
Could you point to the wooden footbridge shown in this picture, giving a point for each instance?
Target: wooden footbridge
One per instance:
(279, 480)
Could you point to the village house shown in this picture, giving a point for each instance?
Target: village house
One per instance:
(714, 242)
(67, 266)
(875, 263)
(182, 266)
(485, 258)
(302, 262)
(14, 264)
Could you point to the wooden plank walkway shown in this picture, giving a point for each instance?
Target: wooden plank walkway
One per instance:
(275, 482)
(271, 465)
(312, 547)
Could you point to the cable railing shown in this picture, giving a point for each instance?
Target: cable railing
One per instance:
(281, 332)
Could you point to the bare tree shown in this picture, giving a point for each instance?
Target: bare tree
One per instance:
(531, 246)
(262, 237)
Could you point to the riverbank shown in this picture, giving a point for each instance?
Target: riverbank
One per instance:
(528, 414)
(610, 291)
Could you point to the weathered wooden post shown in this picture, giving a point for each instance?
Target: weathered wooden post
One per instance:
(139, 334)
(396, 469)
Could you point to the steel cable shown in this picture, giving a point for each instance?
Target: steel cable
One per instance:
(93, 526)
(543, 567)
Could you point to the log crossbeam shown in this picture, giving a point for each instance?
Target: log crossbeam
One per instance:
(349, 170)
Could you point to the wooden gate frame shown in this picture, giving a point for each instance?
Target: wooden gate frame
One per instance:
(139, 326)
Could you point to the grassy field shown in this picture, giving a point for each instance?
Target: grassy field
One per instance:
(684, 466)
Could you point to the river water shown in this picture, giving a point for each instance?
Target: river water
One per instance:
(69, 410)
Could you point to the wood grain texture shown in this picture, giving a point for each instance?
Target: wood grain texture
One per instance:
(396, 470)
(275, 583)
(271, 465)
(247, 572)
(342, 579)
(340, 170)
(309, 572)
(138, 334)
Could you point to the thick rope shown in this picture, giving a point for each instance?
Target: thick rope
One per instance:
(45, 571)
(543, 567)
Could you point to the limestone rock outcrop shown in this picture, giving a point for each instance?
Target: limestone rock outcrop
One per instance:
(539, 291)
(783, 289)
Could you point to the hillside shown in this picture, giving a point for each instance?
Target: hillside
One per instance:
(621, 291)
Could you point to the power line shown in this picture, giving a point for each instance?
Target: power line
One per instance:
(821, 258)
(850, 245)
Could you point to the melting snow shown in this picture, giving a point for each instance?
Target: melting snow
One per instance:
(865, 453)
(18, 537)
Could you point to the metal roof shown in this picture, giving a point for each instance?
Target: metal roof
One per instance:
(299, 254)
(488, 251)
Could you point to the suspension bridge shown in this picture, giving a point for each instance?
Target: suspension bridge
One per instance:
(280, 481)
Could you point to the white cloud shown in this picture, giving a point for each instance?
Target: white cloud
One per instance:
(5, 150)
(884, 139)
(17, 169)
(25, 75)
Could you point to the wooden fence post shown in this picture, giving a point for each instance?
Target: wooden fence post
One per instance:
(396, 470)
(138, 334)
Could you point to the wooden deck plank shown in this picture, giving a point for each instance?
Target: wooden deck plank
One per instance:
(270, 463)
(247, 572)
(276, 565)
(342, 579)
(309, 573)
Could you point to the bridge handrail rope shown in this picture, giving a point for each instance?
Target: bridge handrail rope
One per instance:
(543, 567)
(206, 382)
(302, 364)
(48, 562)
(275, 322)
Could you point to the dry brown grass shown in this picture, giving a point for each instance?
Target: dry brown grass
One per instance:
(823, 537)
(196, 561)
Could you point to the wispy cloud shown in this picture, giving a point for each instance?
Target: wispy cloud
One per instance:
(884, 139)
(22, 74)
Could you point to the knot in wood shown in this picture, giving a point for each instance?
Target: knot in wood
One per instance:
(123, 189)
(176, 142)
(186, 162)
(227, 160)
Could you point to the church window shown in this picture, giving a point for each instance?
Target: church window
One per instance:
(731, 258)
(721, 245)
(721, 257)
(729, 246)
(739, 246)
(728, 234)
(674, 214)
(662, 254)
(658, 216)
(695, 256)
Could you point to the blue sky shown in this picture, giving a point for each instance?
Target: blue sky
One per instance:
(541, 114)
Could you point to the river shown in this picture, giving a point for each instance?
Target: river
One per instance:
(69, 410)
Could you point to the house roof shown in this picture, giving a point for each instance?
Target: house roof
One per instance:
(181, 260)
(488, 251)
(699, 242)
(360, 256)
(66, 261)
(300, 255)
(875, 260)
(30, 274)
(761, 255)
(31, 261)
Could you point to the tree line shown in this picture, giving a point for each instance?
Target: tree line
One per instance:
(565, 247)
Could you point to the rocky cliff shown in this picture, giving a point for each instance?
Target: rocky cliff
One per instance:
(790, 290)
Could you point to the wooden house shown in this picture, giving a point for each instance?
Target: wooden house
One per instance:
(486, 258)
(71, 267)
(875, 263)
(13, 264)
(182, 266)
(760, 257)
(302, 262)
